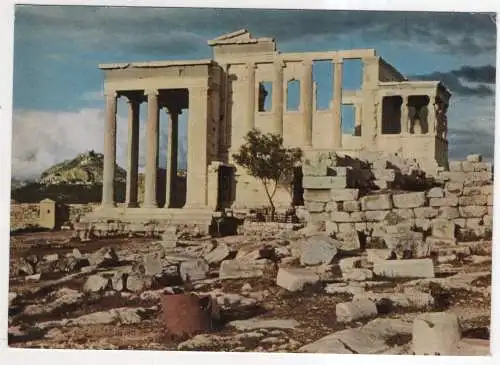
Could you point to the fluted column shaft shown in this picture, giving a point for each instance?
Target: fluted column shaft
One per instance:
(151, 150)
(171, 156)
(108, 183)
(133, 153)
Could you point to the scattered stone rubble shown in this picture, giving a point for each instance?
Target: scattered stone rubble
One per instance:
(388, 266)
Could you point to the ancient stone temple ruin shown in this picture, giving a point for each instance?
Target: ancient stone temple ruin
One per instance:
(225, 97)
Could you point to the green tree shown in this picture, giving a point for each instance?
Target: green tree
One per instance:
(265, 158)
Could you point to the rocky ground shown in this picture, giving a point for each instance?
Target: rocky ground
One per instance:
(276, 293)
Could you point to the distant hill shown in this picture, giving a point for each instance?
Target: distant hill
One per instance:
(72, 181)
(84, 169)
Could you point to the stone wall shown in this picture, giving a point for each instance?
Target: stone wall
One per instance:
(455, 206)
(26, 215)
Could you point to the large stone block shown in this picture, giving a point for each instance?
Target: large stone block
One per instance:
(317, 195)
(318, 249)
(296, 279)
(409, 200)
(344, 194)
(333, 206)
(472, 211)
(448, 213)
(358, 217)
(376, 215)
(454, 176)
(340, 217)
(404, 214)
(413, 268)
(353, 311)
(435, 193)
(237, 269)
(324, 182)
(351, 206)
(194, 270)
(376, 202)
(314, 206)
(378, 254)
(447, 201)
(426, 212)
(473, 200)
(443, 228)
(480, 177)
(454, 187)
(436, 333)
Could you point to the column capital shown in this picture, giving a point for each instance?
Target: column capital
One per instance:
(110, 93)
(132, 100)
(173, 110)
(252, 65)
(337, 60)
(151, 92)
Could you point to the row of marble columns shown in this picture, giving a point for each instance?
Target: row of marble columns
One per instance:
(306, 100)
(152, 151)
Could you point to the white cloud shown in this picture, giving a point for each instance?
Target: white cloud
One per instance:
(96, 95)
(41, 139)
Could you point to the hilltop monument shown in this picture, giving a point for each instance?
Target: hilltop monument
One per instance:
(225, 98)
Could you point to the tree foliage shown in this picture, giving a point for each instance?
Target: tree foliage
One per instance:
(265, 158)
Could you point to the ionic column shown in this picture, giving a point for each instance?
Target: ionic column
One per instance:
(306, 99)
(171, 155)
(405, 121)
(278, 98)
(337, 104)
(250, 122)
(151, 150)
(133, 152)
(108, 177)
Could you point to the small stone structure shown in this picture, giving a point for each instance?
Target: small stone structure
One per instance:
(226, 97)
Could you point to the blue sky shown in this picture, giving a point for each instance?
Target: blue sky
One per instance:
(57, 49)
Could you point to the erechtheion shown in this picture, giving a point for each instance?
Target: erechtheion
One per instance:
(225, 99)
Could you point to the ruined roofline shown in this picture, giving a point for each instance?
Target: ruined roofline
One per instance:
(154, 64)
(241, 36)
(392, 68)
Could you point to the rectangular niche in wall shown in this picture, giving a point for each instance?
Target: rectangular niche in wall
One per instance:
(293, 95)
(265, 96)
(391, 114)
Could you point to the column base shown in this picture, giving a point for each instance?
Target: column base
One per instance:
(108, 205)
(150, 205)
